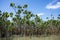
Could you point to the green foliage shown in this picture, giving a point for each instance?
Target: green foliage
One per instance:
(7, 22)
(15, 19)
(24, 23)
(25, 12)
(0, 12)
(19, 12)
(25, 6)
(12, 4)
(58, 17)
(11, 14)
(5, 14)
(37, 18)
(22, 20)
(19, 6)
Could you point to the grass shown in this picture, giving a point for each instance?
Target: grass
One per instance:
(15, 37)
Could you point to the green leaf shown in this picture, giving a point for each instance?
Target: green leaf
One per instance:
(12, 4)
(7, 22)
(19, 7)
(19, 11)
(25, 12)
(11, 14)
(5, 14)
(15, 19)
(25, 6)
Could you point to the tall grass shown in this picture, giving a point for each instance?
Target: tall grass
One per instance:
(17, 37)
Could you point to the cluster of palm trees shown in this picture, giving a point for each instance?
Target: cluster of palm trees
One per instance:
(27, 24)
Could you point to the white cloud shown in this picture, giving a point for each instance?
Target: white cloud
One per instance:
(40, 14)
(51, 6)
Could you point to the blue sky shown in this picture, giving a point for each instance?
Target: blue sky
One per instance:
(43, 8)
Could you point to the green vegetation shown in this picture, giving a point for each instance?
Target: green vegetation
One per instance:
(24, 26)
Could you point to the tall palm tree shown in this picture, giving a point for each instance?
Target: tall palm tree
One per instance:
(27, 16)
(37, 22)
(58, 23)
(58, 17)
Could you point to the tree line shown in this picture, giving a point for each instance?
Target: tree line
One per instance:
(25, 25)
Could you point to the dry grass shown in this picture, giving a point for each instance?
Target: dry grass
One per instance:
(52, 37)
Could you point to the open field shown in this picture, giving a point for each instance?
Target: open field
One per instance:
(53, 37)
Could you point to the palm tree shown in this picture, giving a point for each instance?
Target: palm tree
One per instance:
(4, 24)
(11, 14)
(58, 23)
(58, 17)
(37, 23)
(18, 19)
(27, 16)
